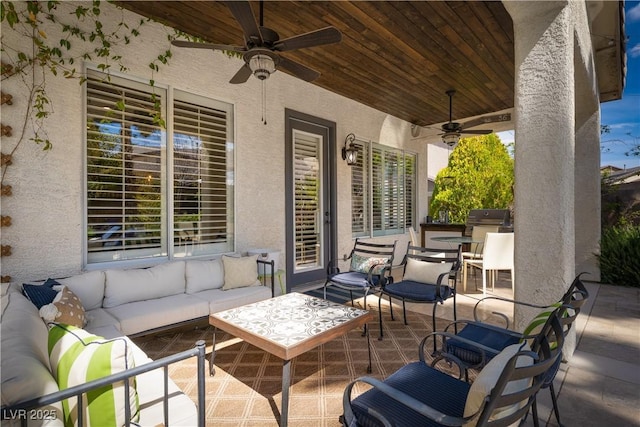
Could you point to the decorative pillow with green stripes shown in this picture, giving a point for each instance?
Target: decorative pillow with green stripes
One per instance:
(77, 357)
(535, 326)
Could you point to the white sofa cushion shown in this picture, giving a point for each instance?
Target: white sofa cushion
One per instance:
(124, 286)
(219, 300)
(89, 287)
(203, 275)
(100, 318)
(24, 363)
(146, 315)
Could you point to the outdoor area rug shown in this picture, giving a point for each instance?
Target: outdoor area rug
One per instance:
(246, 388)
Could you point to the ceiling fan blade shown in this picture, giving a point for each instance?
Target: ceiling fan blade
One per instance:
(241, 10)
(185, 43)
(328, 35)
(487, 119)
(300, 71)
(477, 132)
(242, 75)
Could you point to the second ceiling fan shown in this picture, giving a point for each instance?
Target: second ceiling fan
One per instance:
(453, 130)
(262, 46)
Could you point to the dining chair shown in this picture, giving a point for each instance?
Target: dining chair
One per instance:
(497, 256)
(478, 235)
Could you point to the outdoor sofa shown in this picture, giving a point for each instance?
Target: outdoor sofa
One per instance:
(116, 304)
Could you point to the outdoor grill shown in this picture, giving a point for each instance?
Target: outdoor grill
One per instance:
(499, 217)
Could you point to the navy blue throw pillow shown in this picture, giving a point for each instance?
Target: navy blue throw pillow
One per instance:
(40, 295)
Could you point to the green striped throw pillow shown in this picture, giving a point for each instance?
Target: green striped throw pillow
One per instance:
(77, 357)
(535, 326)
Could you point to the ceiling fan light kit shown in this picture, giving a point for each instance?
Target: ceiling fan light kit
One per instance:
(450, 138)
(262, 66)
(453, 130)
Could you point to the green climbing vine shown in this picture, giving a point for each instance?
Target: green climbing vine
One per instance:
(82, 37)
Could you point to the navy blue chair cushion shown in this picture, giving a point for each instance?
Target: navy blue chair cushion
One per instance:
(354, 279)
(40, 295)
(417, 291)
(428, 385)
(488, 337)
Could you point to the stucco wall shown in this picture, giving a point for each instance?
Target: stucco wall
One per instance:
(47, 203)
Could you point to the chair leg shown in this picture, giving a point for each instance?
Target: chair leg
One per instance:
(534, 413)
(324, 289)
(404, 312)
(484, 282)
(380, 317)
(554, 399)
(433, 325)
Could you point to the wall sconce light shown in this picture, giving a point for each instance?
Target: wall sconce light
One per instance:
(350, 154)
(451, 138)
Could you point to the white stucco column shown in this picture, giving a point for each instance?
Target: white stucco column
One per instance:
(544, 154)
(588, 209)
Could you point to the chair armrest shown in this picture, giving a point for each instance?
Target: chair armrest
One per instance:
(402, 398)
(505, 318)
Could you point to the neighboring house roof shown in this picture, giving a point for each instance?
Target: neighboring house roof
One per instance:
(621, 176)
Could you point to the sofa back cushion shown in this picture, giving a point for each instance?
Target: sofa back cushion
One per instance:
(123, 286)
(24, 362)
(204, 275)
(89, 287)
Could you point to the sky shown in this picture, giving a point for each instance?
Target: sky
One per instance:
(622, 116)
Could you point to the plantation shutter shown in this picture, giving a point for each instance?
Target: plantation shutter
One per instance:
(393, 192)
(125, 166)
(307, 209)
(201, 195)
(360, 191)
(409, 189)
(389, 175)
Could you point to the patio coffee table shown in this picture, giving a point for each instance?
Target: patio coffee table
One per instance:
(287, 326)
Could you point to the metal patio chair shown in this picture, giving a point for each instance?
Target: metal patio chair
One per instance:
(476, 342)
(421, 395)
(429, 276)
(369, 269)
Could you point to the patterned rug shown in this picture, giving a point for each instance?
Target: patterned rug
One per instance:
(246, 389)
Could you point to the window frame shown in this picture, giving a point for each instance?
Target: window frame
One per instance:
(365, 168)
(167, 247)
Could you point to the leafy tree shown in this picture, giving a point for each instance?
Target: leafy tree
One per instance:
(479, 175)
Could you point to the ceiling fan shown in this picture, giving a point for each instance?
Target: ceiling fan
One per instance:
(452, 130)
(262, 46)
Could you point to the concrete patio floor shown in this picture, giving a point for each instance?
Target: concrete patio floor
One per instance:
(600, 384)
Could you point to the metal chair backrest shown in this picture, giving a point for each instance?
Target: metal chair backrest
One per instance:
(383, 253)
(434, 255)
(498, 251)
(533, 376)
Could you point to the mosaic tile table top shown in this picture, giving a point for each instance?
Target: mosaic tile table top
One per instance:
(291, 324)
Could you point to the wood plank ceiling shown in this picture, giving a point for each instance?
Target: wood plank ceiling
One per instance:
(396, 56)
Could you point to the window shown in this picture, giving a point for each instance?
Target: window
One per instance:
(154, 192)
(382, 190)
